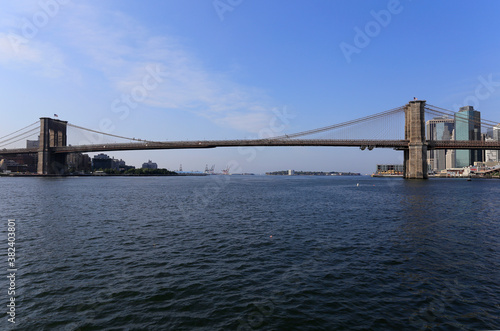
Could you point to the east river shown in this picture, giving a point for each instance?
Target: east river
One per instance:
(251, 253)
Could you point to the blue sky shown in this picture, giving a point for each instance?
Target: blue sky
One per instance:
(238, 68)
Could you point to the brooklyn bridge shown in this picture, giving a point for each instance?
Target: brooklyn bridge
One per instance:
(374, 131)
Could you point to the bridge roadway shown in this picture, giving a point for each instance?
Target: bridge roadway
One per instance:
(396, 144)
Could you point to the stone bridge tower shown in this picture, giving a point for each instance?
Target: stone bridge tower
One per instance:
(415, 157)
(52, 134)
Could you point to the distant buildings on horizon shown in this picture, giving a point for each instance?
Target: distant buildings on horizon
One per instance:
(149, 165)
(311, 173)
(103, 161)
(465, 125)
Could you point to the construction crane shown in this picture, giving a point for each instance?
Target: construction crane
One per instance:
(210, 171)
(226, 171)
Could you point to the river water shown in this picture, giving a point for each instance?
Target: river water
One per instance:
(252, 253)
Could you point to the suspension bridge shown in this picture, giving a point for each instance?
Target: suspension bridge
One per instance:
(401, 128)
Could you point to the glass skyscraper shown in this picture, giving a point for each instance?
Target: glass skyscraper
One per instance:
(467, 127)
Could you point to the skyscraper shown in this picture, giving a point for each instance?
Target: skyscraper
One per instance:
(467, 127)
(496, 132)
(439, 128)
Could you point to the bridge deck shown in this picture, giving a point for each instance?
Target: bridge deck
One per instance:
(397, 144)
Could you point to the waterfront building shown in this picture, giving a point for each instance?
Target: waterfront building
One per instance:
(439, 128)
(149, 165)
(390, 169)
(21, 163)
(123, 166)
(103, 161)
(12, 166)
(78, 162)
(467, 127)
(493, 155)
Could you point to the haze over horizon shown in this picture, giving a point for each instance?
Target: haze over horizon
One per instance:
(221, 69)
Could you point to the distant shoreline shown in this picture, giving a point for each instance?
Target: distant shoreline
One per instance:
(312, 173)
(203, 175)
(100, 175)
(433, 176)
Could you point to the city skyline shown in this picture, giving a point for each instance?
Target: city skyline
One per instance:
(465, 124)
(213, 72)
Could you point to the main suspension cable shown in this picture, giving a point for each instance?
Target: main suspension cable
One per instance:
(37, 122)
(336, 126)
(30, 133)
(108, 134)
(23, 136)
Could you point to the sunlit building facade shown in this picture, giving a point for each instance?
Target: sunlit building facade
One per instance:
(439, 128)
(493, 155)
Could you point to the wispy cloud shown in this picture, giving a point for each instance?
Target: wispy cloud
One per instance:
(79, 36)
(122, 49)
(36, 57)
(21, 46)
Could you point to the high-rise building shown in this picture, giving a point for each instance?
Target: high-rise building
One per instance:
(467, 127)
(493, 155)
(439, 128)
(451, 154)
(496, 132)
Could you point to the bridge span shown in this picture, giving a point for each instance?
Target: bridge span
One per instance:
(53, 148)
(231, 143)
(200, 144)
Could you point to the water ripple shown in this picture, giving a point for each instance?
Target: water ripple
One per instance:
(249, 253)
